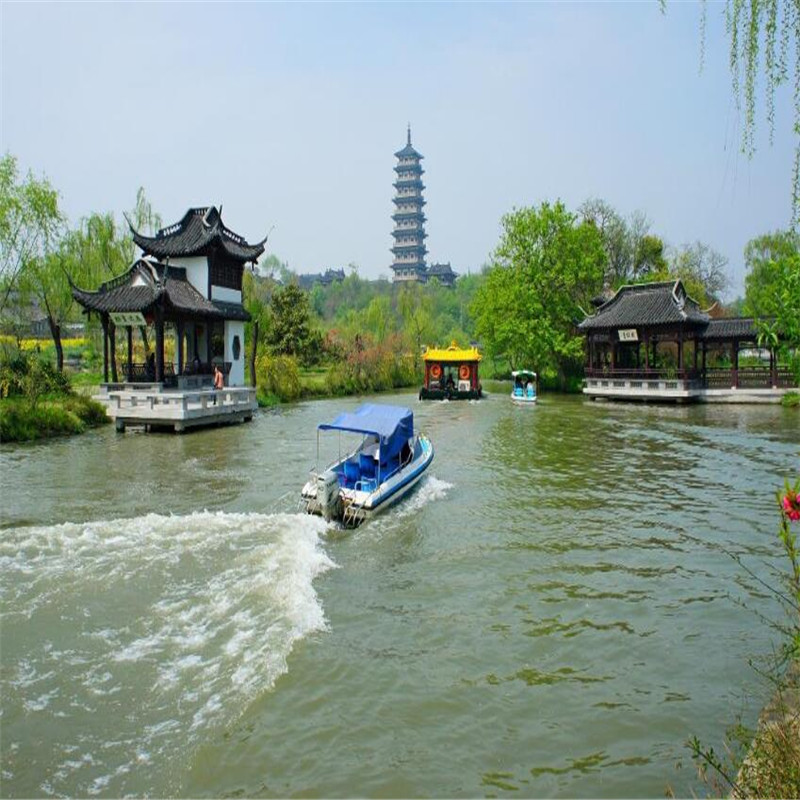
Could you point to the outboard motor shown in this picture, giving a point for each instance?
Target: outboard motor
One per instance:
(328, 494)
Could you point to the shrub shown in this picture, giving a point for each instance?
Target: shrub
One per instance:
(278, 376)
(791, 400)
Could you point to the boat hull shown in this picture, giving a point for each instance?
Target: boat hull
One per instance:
(452, 394)
(523, 401)
(355, 506)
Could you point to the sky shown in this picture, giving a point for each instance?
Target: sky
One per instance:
(289, 115)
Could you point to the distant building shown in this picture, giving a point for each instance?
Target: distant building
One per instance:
(443, 273)
(409, 220)
(326, 278)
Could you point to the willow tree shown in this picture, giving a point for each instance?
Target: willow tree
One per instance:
(764, 42)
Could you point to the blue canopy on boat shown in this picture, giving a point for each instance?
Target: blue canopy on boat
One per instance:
(393, 425)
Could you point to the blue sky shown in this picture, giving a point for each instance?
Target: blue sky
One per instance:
(289, 116)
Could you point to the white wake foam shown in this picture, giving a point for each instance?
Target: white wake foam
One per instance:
(174, 622)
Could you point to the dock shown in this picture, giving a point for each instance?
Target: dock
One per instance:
(155, 407)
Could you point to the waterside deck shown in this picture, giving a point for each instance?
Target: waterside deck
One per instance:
(750, 385)
(152, 406)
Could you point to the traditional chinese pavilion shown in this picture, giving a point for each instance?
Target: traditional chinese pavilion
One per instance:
(188, 284)
(653, 341)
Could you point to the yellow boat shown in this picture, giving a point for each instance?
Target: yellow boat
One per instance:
(451, 373)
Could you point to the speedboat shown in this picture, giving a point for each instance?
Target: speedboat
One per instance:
(386, 465)
(524, 389)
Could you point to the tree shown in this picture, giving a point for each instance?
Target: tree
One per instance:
(702, 270)
(45, 279)
(772, 290)
(256, 296)
(30, 223)
(546, 268)
(771, 28)
(414, 306)
(767, 259)
(291, 332)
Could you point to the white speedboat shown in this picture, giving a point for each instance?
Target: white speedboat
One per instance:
(523, 392)
(387, 464)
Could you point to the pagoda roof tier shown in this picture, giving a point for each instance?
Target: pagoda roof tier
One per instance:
(200, 231)
(148, 284)
(416, 168)
(416, 183)
(418, 199)
(409, 152)
(646, 304)
(418, 232)
(398, 215)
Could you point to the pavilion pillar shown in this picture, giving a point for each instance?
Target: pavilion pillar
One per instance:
(655, 347)
(773, 367)
(112, 335)
(130, 352)
(680, 351)
(735, 362)
(613, 352)
(695, 352)
(179, 326)
(104, 322)
(209, 326)
(646, 351)
(159, 344)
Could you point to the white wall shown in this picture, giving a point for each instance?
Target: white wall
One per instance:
(235, 328)
(225, 295)
(196, 272)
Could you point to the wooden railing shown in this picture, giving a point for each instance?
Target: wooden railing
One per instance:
(743, 378)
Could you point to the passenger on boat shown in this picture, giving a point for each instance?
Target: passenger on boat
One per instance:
(450, 384)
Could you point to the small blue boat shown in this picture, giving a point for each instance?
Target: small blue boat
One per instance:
(523, 391)
(388, 463)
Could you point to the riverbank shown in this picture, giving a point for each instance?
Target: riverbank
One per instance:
(62, 415)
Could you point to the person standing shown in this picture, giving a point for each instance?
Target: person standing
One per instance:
(219, 381)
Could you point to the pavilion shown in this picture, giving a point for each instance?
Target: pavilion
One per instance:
(653, 341)
(189, 280)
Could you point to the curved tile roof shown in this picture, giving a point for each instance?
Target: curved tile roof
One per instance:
(663, 303)
(145, 283)
(195, 234)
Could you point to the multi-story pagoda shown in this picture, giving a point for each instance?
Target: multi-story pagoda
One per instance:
(409, 220)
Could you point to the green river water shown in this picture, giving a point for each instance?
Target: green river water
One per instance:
(552, 612)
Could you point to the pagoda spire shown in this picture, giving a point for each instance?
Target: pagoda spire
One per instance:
(409, 133)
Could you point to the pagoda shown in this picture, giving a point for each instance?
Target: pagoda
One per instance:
(409, 220)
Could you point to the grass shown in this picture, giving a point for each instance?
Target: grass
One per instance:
(61, 415)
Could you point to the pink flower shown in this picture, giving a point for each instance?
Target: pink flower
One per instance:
(791, 506)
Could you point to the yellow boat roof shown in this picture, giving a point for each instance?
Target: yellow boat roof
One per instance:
(452, 353)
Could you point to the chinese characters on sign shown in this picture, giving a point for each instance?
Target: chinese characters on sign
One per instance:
(126, 318)
(628, 335)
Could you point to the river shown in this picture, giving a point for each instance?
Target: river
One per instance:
(553, 612)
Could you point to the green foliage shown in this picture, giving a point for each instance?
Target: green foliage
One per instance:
(30, 223)
(57, 416)
(373, 368)
(23, 375)
(291, 332)
(791, 400)
(277, 376)
(546, 268)
(772, 291)
(771, 28)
